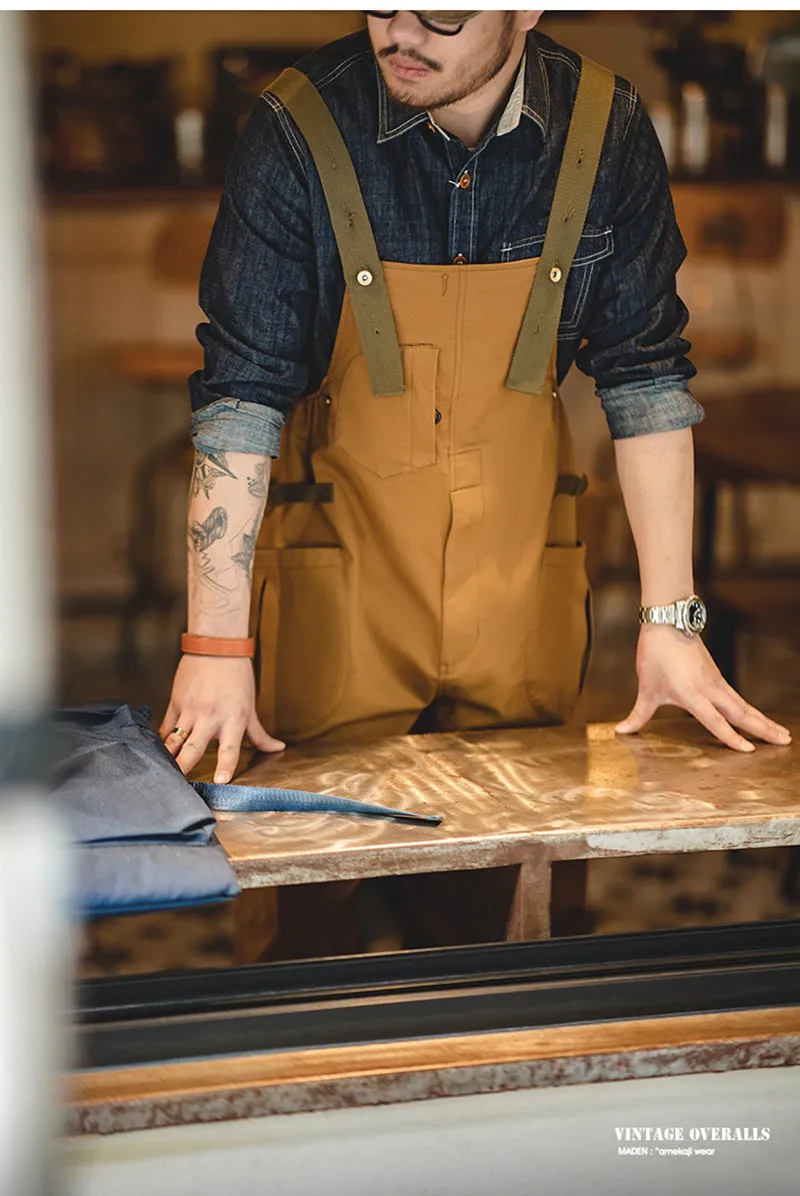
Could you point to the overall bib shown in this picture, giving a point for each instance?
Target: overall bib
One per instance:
(418, 566)
(419, 552)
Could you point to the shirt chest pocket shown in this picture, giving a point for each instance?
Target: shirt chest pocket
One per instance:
(593, 247)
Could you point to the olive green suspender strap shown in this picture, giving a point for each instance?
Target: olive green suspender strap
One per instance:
(587, 129)
(363, 272)
(362, 267)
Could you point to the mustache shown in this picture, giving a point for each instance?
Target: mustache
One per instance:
(411, 55)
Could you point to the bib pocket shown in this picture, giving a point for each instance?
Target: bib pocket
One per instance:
(394, 434)
(558, 643)
(303, 638)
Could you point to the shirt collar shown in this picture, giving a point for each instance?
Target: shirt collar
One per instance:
(530, 96)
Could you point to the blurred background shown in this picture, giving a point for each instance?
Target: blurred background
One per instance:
(137, 113)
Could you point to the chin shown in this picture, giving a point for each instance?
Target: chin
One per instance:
(412, 96)
(410, 99)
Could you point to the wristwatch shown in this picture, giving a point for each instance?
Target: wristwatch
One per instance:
(687, 614)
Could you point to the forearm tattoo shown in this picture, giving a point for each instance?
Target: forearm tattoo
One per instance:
(212, 592)
(222, 541)
(220, 556)
(257, 484)
(213, 528)
(208, 467)
(244, 557)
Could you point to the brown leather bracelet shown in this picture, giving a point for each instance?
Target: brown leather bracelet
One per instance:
(211, 645)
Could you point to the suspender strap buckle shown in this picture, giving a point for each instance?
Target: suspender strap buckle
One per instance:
(573, 484)
(291, 492)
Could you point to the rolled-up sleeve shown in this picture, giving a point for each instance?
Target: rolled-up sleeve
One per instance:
(634, 349)
(258, 291)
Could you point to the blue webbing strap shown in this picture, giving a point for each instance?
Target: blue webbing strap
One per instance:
(250, 799)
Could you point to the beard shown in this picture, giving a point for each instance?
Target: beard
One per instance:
(469, 78)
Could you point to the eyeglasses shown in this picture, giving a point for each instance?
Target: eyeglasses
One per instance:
(440, 23)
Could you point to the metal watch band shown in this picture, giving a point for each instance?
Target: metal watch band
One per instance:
(687, 615)
(659, 614)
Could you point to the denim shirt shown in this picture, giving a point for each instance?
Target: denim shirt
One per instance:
(272, 285)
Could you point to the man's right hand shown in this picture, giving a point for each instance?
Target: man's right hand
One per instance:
(213, 698)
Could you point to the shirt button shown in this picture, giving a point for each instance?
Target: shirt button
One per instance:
(465, 179)
(459, 260)
(438, 417)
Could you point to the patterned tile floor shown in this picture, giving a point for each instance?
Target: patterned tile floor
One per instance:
(642, 893)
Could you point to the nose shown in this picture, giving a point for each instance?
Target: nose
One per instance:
(405, 29)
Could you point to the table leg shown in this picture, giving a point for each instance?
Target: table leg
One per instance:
(529, 915)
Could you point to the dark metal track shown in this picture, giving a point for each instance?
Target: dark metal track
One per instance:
(421, 994)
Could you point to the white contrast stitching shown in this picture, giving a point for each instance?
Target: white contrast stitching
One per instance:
(281, 112)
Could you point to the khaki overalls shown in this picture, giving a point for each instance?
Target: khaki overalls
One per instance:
(419, 552)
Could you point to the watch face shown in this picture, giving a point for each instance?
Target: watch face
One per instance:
(695, 615)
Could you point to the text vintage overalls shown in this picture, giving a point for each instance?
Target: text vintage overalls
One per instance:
(421, 539)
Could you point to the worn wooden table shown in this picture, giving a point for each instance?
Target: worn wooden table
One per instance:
(524, 799)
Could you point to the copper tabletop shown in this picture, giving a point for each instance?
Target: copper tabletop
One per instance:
(517, 796)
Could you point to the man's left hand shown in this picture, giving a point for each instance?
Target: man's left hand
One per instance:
(677, 671)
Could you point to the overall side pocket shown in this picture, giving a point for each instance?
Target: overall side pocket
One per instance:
(303, 638)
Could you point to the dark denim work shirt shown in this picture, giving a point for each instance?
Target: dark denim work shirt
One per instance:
(272, 284)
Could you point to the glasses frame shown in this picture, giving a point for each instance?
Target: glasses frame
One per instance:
(387, 16)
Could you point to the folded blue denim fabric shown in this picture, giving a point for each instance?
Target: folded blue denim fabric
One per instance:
(117, 783)
(146, 836)
(130, 878)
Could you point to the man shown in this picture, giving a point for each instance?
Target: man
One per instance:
(418, 568)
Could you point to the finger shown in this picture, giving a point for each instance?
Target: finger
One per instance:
(742, 714)
(227, 757)
(195, 746)
(230, 744)
(261, 739)
(169, 720)
(174, 741)
(641, 714)
(706, 713)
